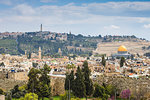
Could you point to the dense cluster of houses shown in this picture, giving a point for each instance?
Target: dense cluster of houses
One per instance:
(19, 66)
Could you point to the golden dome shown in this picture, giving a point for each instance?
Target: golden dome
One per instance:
(122, 48)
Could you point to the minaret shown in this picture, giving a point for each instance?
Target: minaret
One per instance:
(59, 51)
(39, 52)
(41, 27)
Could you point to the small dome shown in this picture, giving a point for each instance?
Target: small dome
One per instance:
(122, 48)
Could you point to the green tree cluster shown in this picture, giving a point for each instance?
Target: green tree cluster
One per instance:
(17, 93)
(87, 81)
(39, 82)
(45, 82)
(1, 91)
(2, 64)
(103, 91)
(79, 89)
(80, 84)
(30, 96)
(65, 96)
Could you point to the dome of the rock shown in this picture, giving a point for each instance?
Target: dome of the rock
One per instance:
(122, 49)
(122, 52)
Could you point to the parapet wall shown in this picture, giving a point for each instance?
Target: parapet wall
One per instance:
(125, 82)
(7, 84)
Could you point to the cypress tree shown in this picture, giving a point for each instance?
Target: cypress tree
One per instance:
(87, 81)
(122, 61)
(44, 79)
(69, 77)
(103, 61)
(97, 91)
(67, 82)
(44, 75)
(29, 56)
(39, 82)
(79, 87)
(33, 82)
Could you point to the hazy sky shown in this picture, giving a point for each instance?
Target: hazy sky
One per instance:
(87, 17)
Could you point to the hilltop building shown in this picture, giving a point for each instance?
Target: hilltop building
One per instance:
(122, 52)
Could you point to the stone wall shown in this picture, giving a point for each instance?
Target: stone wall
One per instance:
(57, 83)
(125, 82)
(23, 76)
(2, 75)
(7, 84)
(121, 83)
(57, 86)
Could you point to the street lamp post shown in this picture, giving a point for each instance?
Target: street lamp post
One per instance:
(33, 90)
(115, 94)
(11, 94)
(69, 89)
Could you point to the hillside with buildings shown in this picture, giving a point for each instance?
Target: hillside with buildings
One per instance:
(74, 49)
(114, 62)
(132, 47)
(51, 42)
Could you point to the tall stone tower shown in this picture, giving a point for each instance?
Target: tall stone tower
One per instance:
(41, 27)
(59, 52)
(25, 53)
(39, 52)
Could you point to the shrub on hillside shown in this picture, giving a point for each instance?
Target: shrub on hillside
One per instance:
(126, 93)
(1, 91)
